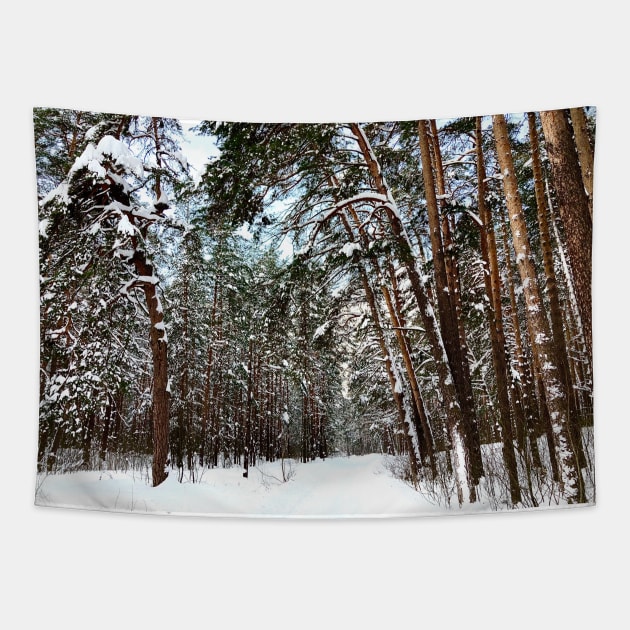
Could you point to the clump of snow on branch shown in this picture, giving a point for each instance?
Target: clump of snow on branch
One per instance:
(349, 248)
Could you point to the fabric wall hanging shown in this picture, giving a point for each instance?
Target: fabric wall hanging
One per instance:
(331, 320)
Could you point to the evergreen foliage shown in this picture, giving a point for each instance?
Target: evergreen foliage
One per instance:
(295, 303)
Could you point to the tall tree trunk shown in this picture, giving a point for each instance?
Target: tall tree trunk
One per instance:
(450, 258)
(465, 478)
(551, 287)
(495, 323)
(106, 430)
(51, 460)
(425, 429)
(542, 342)
(157, 341)
(446, 308)
(525, 388)
(249, 411)
(427, 444)
(183, 436)
(422, 437)
(72, 149)
(157, 335)
(145, 277)
(573, 207)
(585, 151)
(405, 418)
(87, 440)
(572, 302)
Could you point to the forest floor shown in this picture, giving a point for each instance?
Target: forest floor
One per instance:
(356, 486)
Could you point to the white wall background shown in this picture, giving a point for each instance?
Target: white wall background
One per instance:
(311, 61)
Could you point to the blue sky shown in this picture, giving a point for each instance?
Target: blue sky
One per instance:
(197, 149)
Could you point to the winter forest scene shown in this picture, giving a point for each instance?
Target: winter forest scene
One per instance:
(342, 319)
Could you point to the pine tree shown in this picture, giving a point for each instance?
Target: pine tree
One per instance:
(574, 211)
(495, 320)
(541, 340)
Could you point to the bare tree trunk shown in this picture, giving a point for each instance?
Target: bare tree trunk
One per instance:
(465, 478)
(207, 388)
(542, 342)
(157, 334)
(248, 412)
(87, 440)
(585, 151)
(495, 323)
(551, 287)
(525, 387)
(106, 429)
(411, 375)
(448, 249)
(587, 367)
(404, 415)
(446, 309)
(574, 212)
(51, 461)
(158, 341)
(427, 443)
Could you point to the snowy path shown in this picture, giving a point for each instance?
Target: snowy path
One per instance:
(341, 486)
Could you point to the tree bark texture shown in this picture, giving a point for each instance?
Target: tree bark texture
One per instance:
(573, 207)
(542, 343)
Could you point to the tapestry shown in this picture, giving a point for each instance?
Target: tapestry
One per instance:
(364, 319)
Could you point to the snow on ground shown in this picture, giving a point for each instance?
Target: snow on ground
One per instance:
(357, 486)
